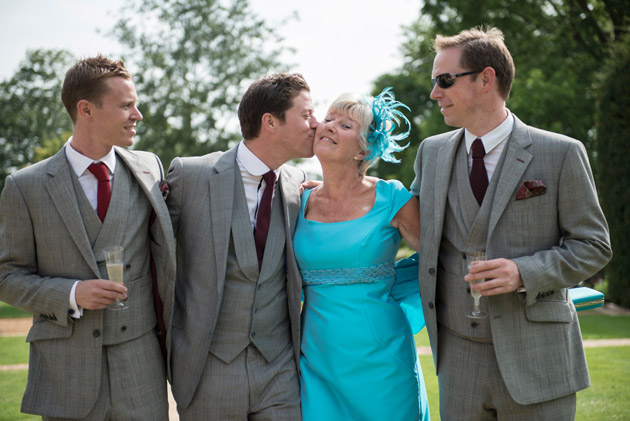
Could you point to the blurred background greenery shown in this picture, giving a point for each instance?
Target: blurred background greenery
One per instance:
(193, 59)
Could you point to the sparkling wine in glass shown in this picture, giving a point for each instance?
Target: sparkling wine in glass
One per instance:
(476, 256)
(114, 263)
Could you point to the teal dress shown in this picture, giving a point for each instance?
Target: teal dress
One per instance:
(358, 358)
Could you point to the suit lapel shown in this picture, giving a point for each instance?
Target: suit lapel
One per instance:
(291, 201)
(145, 179)
(444, 162)
(63, 197)
(242, 232)
(221, 196)
(517, 160)
(161, 228)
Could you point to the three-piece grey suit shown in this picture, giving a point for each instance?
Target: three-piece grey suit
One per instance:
(556, 239)
(223, 304)
(50, 237)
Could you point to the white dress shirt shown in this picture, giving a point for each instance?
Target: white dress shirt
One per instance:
(79, 164)
(252, 170)
(494, 142)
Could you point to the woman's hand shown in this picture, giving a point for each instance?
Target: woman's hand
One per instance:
(309, 184)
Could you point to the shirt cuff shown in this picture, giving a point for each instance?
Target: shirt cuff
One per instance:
(74, 310)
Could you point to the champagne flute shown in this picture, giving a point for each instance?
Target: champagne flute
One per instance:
(114, 262)
(476, 256)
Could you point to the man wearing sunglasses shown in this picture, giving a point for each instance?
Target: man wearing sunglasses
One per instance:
(527, 198)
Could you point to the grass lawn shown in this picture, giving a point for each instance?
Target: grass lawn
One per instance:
(600, 326)
(13, 350)
(12, 385)
(605, 399)
(7, 311)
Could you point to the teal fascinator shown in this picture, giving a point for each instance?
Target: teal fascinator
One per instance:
(381, 142)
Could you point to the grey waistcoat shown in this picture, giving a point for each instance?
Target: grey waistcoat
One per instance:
(126, 224)
(253, 310)
(465, 229)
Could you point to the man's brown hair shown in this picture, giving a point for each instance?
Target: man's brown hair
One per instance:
(270, 94)
(482, 47)
(86, 80)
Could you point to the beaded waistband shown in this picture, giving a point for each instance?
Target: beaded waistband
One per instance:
(346, 276)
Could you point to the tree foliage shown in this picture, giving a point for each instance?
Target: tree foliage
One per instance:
(613, 154)
(558, 47)
(191, 61)
(31, 111)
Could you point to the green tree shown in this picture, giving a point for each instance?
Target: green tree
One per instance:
(191, 61)
(613, 154)
(558, 47)
(31, 111)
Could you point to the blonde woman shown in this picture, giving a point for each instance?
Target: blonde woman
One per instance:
(358, 358)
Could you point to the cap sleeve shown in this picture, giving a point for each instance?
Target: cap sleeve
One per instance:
(397, 196)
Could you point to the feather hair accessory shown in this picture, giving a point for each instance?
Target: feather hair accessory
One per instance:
(381, 142)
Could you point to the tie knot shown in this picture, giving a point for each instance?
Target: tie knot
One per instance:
(269, 177)
(477, 149)
(99, 170)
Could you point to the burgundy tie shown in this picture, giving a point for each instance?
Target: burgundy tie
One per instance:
(263, 217)
(478, 174)
(104, 192)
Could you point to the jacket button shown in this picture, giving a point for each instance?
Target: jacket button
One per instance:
(123, 328)
(474, 324)
(431, 305)
(431, 271)
(96, 333)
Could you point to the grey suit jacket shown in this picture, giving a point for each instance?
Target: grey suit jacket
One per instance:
(200, 202)
(44, 249)
(556, 239)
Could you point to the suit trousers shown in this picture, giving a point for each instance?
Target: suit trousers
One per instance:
(248, 388)
(132, 387)
(471, 386)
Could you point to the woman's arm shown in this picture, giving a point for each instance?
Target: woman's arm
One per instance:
(407, 221)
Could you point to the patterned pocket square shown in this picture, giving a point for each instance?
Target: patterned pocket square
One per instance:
(531, 188)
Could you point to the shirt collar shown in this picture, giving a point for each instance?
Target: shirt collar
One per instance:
(251, 163)
(80, 163)
(493, 138)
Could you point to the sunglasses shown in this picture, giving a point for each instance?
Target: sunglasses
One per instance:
(446, 80)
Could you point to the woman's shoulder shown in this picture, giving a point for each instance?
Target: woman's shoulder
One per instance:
(392, 186)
